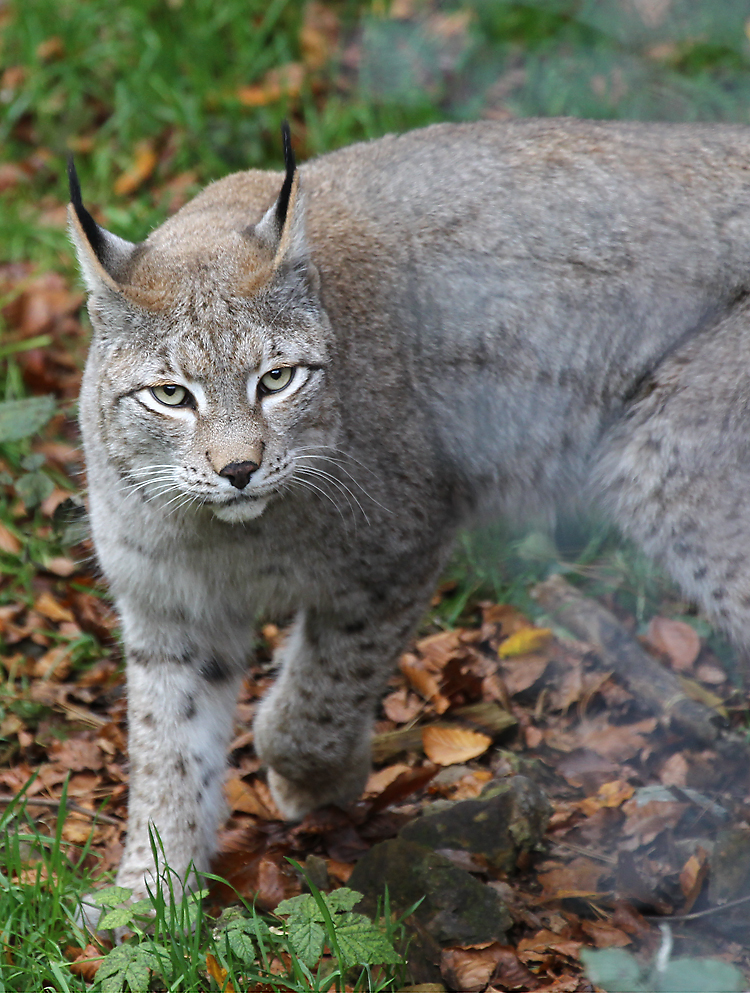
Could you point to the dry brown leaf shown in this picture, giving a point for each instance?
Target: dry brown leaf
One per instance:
(283, 81)
(692, 878)
(143, 165)
(407, 783)
(85, 961)
(610, 795)
(710, 673)
(522, 672)
(646, 821)
(340, 870)
(534, 949)
(48, 606)
(674, 771)
(8, 541)
(423, 682)
(526, 640)
(380, 780)
(11, 724)
(60, 566)
(254, 799)
(318, 37)
(605, 935)
(507, 616)
(579, 877)
(77, 829)
(453, 745)
(613, 743)
(76, 754)
(469, 969)
(436, 650)
(676, 640)
(402, 706)
(218, 974)
(54, 664)
(470, 785)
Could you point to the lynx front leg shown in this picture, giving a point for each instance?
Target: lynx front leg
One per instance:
(314, 727)
(180, 720)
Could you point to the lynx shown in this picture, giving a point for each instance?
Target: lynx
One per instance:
(302, 385)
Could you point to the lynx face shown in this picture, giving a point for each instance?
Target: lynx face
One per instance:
(220, 414)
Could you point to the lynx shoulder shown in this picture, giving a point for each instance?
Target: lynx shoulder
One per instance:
(301, 385)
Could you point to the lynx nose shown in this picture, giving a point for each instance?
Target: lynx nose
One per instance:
(238, 473)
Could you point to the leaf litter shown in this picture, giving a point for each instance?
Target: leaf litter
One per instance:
(647, 823)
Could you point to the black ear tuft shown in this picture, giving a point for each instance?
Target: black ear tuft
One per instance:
(94, 234)
(282, 204)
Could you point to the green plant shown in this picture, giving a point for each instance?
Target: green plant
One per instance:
(615, 971)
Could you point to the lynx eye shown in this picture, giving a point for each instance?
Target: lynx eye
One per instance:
(170, 395)
(276, 379)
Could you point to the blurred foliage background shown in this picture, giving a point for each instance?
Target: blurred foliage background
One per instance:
(156, 97)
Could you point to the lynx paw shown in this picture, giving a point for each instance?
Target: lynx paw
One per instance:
(296, 799)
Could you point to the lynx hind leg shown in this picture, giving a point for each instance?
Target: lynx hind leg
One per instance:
(314, 728)
(676, 471)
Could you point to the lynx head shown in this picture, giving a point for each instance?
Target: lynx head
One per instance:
(207, 383)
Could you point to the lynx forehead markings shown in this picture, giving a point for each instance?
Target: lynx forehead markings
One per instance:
(403, 337)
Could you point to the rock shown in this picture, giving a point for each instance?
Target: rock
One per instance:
(730, 879)
(456, 909)
(506, 818)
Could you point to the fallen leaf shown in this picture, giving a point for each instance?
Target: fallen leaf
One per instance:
(534, 949)
(143, 165)
(692, 877)
(340, 870)
(402, 706)
(605, 935)
(470, 785)
(254, 799)
(48, 606)
(610, 795)
(646, 821)
(710, 673)
(469, 969)
(318, 35)
(85, 961)
(436, 650)
(76, 754)
(218, 974)
(11, 724)
(378, 781)
(404, 784)
(54, 664)
(51, 48)
(511, 973)
(424, 682)
(452, 745)
(282, 81)
(676, 640)
(578, 878)
(674, 771)
(76, 829)
(60, 566)
(8, 541)
(522, 672)
(526, 640)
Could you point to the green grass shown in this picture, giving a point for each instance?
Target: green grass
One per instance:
(176, 947)
(102, 78)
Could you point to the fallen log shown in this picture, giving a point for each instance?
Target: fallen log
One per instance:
(487, 716)
(656, 687)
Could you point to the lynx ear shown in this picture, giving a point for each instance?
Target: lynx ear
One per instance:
(282, 227)
(104, 257)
